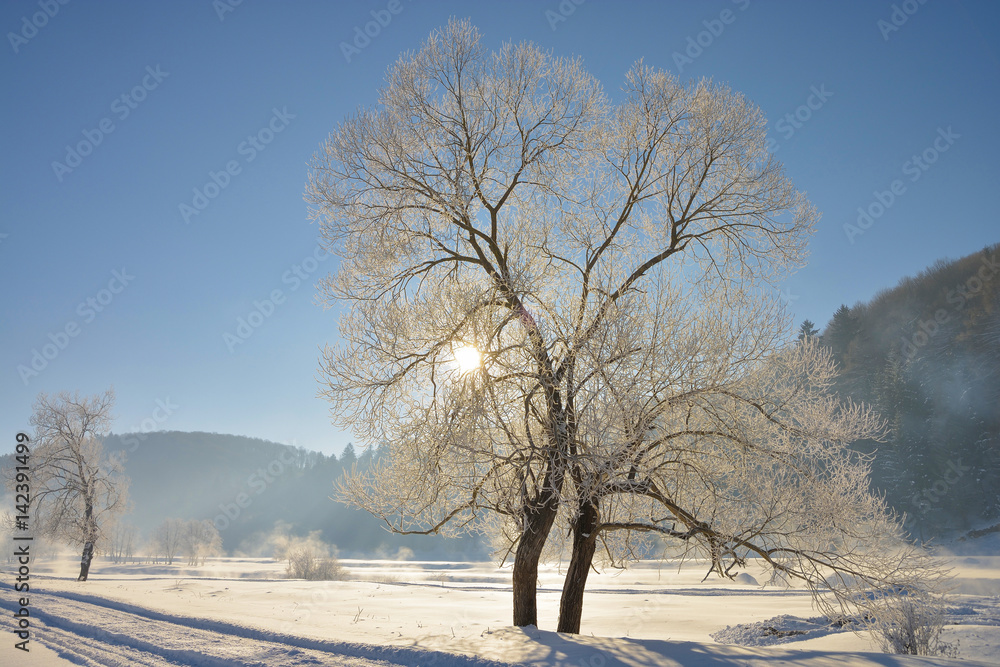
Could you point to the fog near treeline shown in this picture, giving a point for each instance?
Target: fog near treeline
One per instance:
(926, 354)
(256, 492)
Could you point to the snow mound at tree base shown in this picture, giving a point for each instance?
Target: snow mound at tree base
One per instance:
(777, 630)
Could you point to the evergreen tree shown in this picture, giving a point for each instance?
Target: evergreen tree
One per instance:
(807, 330)
(841, 330)
(347, 457)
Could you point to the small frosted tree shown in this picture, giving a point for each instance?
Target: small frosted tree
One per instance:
(167, 539)
(312, 559)
(122, 541)
(200, 540)
(909, 621)
(78, 491)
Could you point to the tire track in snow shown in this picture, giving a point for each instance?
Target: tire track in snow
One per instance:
(91, 630)
(92, 652)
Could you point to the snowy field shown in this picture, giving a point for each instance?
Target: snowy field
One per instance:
(236, 611)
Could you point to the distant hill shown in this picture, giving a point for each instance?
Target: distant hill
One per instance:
(926, 354)
(209, 476)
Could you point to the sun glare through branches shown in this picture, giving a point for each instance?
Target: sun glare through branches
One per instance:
(468, 358)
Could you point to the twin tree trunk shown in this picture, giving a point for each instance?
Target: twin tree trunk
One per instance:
(584, 545)
(528, 554)
(538, 516)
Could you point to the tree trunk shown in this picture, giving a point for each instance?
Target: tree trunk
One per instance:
(584, 545)
(538, 519)
(91, 528)
(88, 555)
(538, 522)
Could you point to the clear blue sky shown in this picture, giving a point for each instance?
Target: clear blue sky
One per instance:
(197, 86)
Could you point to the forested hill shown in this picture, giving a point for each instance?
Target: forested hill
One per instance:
(209, 476)
(926, 354)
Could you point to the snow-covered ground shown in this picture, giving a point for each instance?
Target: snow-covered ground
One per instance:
(236, 611)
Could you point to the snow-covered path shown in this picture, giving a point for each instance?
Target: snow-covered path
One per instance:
(90, 630)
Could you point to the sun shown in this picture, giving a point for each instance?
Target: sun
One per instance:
(468, 358)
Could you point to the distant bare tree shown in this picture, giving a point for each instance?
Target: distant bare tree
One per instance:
(167, 539)
(77, 491)
(122, 538)
(199, 540)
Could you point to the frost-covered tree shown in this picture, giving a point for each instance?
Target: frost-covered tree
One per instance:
(501, 226)
(199, 540)
(122, 541)
(310, 558)
(167, 539)
(77, 491)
